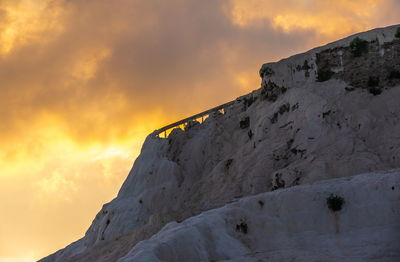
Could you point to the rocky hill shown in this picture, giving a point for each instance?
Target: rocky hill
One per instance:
(328, 115)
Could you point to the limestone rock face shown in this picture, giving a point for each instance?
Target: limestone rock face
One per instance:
(321, 115)
(293, 224)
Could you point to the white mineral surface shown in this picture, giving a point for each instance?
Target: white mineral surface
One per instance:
(288, 145)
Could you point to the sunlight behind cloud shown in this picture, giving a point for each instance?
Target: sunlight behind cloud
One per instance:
(246, 81)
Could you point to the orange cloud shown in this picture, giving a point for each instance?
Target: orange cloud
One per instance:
(331, 18)
(27, 21)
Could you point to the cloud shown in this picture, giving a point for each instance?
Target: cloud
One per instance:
(23, 23)
(339, 17)
(115, 63)
(82, 83)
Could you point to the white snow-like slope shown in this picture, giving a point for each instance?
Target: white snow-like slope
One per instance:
(293, 131)
(292, 224)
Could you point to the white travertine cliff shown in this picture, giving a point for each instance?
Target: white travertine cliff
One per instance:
(319, 120)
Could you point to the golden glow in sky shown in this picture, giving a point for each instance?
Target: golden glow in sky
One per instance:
(325, 17)
(82, 82)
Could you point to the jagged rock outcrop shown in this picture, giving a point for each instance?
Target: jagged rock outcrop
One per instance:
(320, 115)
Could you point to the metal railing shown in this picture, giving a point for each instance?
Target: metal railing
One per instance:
(201, 115)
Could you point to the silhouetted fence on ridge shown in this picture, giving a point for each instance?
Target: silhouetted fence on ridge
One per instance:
(201, 115)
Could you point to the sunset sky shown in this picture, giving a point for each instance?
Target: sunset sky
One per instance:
(82, 82)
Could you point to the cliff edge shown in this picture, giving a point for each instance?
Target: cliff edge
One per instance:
(325, 115)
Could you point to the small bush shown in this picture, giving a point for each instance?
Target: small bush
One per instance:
(228, 163)
(373, 81)
(305, 65)
(375, 91)
(394, 74)
(358, 46)
(397, 32)
(245, 123)
(324, 75)
(242, 227)
(279, 182)
(266, 71)
(284, 108)
(335, 202)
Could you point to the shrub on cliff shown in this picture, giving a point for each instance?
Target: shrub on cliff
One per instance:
(335, 202)
(324, 75)
(397, 32)
(358, 46)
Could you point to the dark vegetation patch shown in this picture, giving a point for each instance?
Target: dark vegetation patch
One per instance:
(248, 101)
(305, 65)
(295, 106)
(274, 118)
(296, 151)
(284, 108)
(324, 75)
(228, 163)
(283, 157)
(397, 32)
(289, 143)
(279, 182)
(327, 113)
(394, 74)
(245, 123)
(373, 85)
(242, 227)
(266, 71)
(375, 90)
(271, 91)
(335, 202)
(362, 65)
(373, 81)
(261, 203)
(358, 46)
